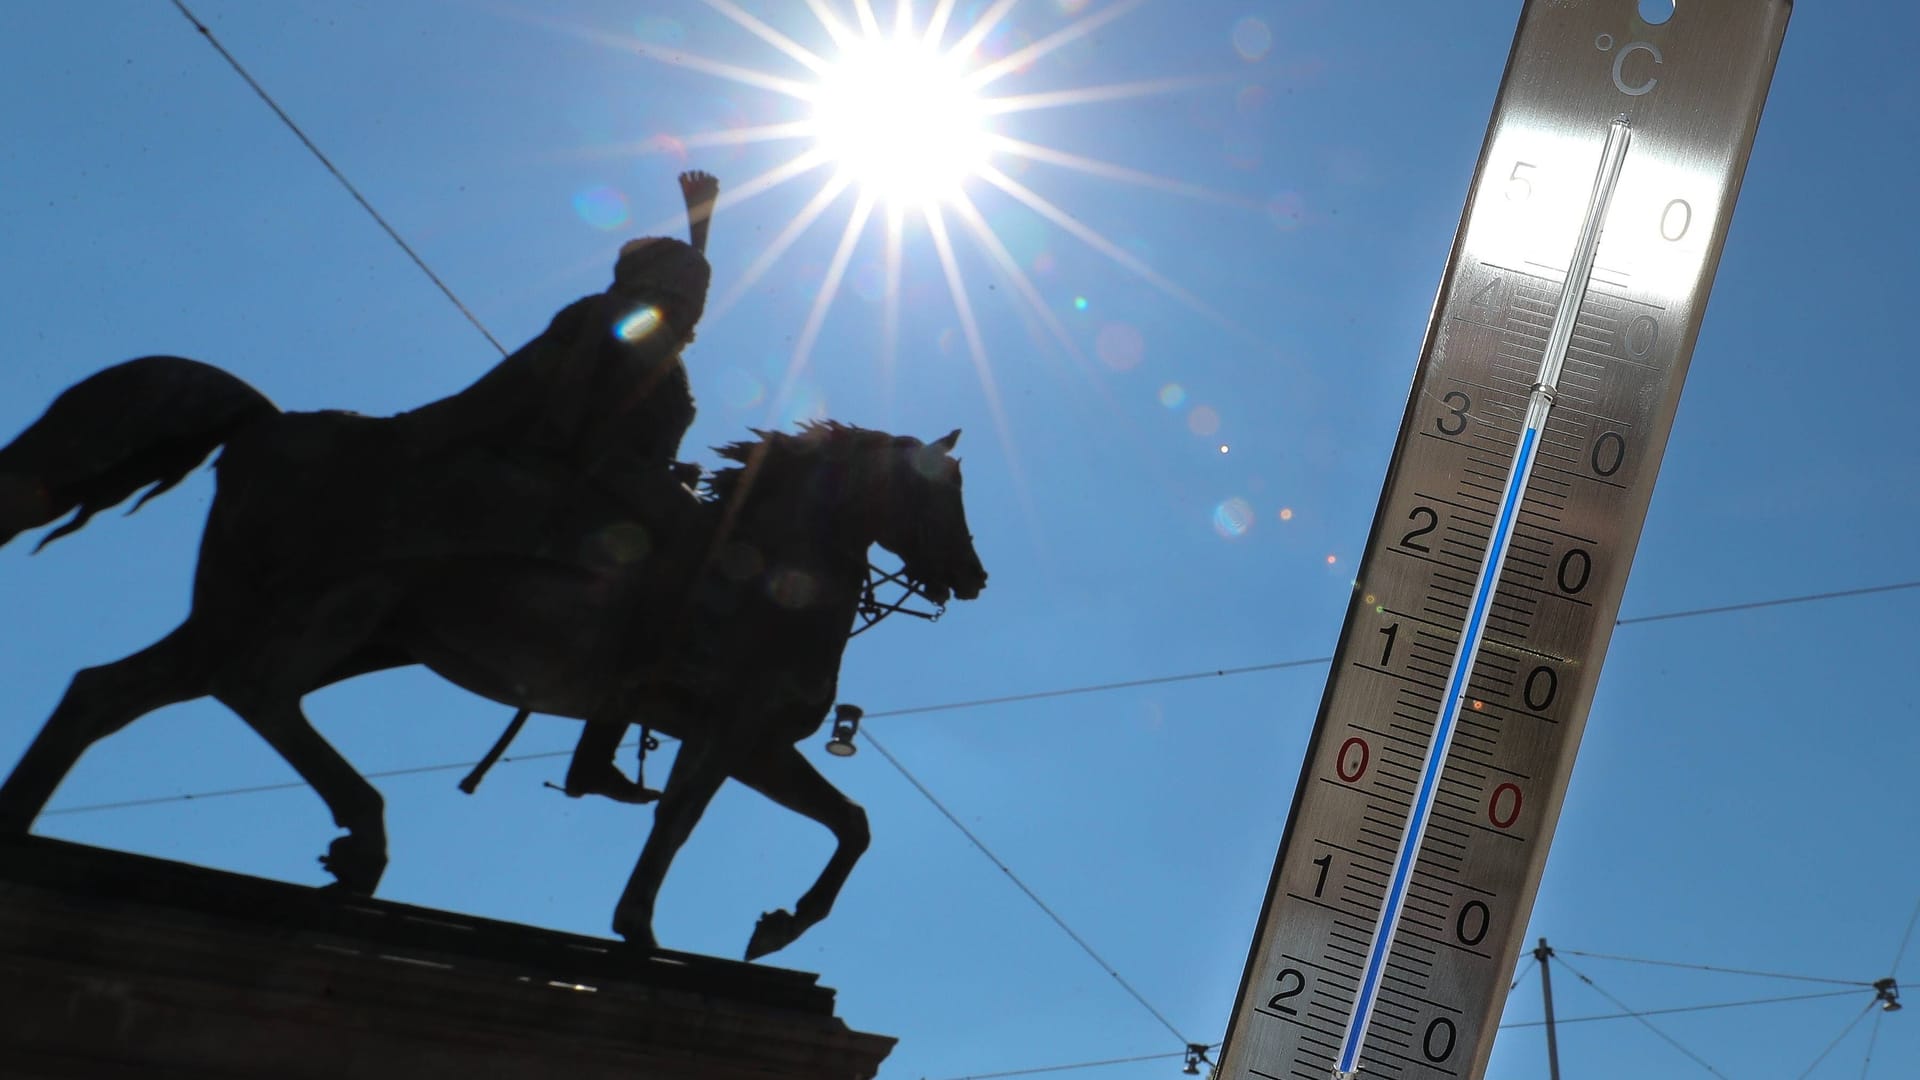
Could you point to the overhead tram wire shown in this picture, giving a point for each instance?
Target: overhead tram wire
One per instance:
(1023, 887)
(1281, 665)
(1039, 1069)
(394, 234)
(1524, 971)
(1863, 983)
(1873, 1037)
(1837, 1039)
(1906, 939)
(1881, 993)
(1634, 1014)
(1710, 1007)
(1128, 684)
(1526, 968)
(1007, 699)
(1808, 598)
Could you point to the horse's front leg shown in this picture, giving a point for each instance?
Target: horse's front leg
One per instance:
(783, 774)
(698, 771)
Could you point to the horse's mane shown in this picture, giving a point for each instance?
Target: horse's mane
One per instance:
(779, 452)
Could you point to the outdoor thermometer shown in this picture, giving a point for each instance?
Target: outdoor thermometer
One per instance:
(1546, 387)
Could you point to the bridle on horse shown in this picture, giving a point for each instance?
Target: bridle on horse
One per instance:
(869, 613)
(872, 609)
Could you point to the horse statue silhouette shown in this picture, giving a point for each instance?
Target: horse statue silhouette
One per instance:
(336, 545)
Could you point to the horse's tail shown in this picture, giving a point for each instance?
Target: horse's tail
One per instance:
(145, 422)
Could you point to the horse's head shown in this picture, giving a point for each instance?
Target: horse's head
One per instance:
(875, 488)
(923, 520)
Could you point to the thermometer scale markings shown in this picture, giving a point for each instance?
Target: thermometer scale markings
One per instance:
(1490, 584)
(1572, 294)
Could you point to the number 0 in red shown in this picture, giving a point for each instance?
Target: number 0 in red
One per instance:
(1353, 753)
(1512, 813)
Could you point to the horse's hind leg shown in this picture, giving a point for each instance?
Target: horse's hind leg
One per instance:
(358, 859)
(783, 774)
(265, 685)
(100, 701)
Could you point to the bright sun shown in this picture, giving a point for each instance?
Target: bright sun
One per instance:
(906, 111)
(898, 118)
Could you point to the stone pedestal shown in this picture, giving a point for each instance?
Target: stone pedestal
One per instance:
(115, 965)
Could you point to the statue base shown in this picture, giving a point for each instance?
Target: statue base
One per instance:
(118, 965)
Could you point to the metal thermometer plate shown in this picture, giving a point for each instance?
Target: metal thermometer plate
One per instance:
(1547, 385)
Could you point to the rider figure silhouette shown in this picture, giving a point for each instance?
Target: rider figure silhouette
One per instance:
(603, 393)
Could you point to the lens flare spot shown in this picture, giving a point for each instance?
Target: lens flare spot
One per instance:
(1120, 346)
(1043, 264)
(637, 326)
(1008, 42)
(1233, 518)
(1286, 513)
(1223, 448)
(1478, 705)
(626, 542)
(1251, 39)
(1025, 235)
(665, 144)
(791, 589)
(1332, 559)
(602, 207)
(1079, 303)
(1173, 395)
(1203, 420)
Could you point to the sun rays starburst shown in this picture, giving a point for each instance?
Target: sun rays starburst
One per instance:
(905, 113)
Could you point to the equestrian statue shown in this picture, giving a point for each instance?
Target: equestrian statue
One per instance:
(530, 539)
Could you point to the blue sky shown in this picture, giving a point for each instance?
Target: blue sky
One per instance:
(1744, 793)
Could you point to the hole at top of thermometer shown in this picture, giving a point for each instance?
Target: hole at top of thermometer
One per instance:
(1573, 293)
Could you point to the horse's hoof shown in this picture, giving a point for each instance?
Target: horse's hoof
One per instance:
(355, 863)
(16, 814)
(639, 938)
(775, 931)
